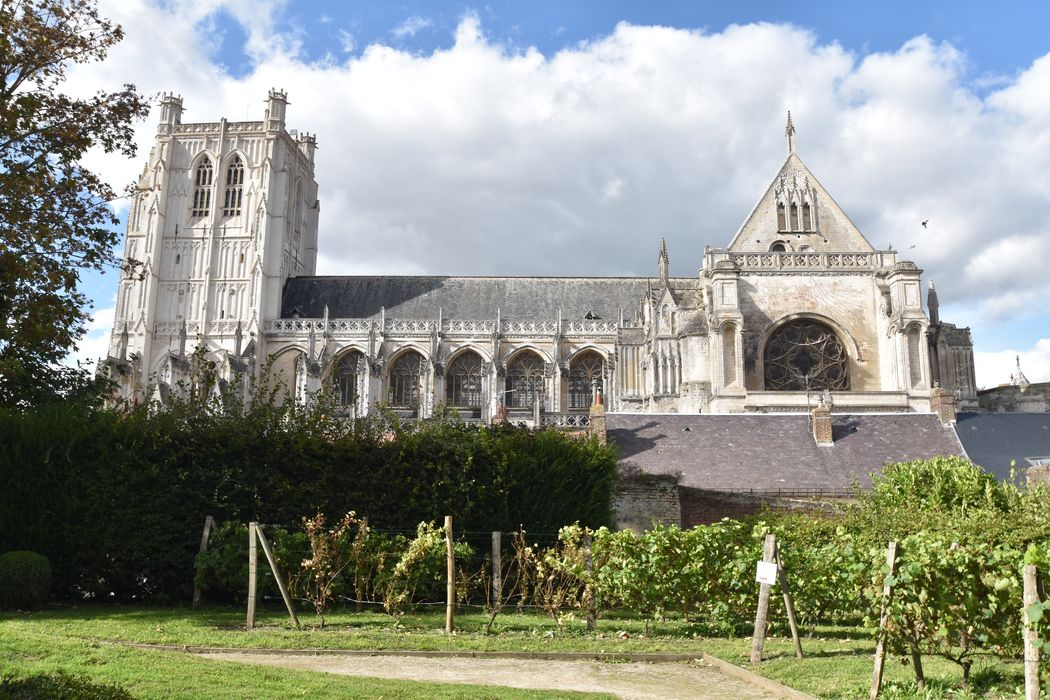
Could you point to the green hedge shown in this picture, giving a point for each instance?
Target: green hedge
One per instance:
(117, 502)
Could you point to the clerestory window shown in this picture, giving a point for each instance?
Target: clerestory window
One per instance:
(231, 203)
(202, 189)
(586, 375)
(463, 381)
(525, 380)
(406, 376)
(346, 376)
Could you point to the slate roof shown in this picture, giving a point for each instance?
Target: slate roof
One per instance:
(518, 298)
(767, 453)
(994, 439)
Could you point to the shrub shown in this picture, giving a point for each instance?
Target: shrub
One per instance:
(25, 579)
(59, 686)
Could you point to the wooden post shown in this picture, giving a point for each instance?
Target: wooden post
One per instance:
(884, 618)
(588, 566)
(1031, 652)
(759, 639)
(277, 576)
(252, 574)
(450, 599)
(209, 524)
(358, 605)
(497, 570)
(789, 605)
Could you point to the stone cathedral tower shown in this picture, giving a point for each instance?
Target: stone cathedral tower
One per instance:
(223, 213)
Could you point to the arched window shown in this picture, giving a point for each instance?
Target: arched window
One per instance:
(586, 375)
(231, 203)
(525, 380)
(807, 218)
(794, 218)
(781, 218)
(345, 378)
(405, 377)
(805, 355)
(778, 247)
(202, 189)
(463, 381)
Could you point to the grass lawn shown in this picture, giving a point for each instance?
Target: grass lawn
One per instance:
(838, 662)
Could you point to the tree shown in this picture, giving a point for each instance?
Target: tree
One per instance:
(55, 216)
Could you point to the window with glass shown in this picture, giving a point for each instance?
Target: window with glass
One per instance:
(586, 375)
(346, 377)
(805, 355)
(406, 375)
(202, 189)
(524, 380)
(231, 203)
(463, 381)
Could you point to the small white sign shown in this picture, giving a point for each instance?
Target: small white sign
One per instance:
(767, 572)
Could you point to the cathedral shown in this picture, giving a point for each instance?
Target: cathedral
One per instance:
(797, 310)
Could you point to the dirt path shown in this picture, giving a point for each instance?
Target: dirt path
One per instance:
(635, 681)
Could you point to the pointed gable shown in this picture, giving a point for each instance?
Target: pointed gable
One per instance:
(796, 212)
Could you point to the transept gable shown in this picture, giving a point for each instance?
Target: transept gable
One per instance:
(796, 214)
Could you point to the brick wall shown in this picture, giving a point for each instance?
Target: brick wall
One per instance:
(643, 499)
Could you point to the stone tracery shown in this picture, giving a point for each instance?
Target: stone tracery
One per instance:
(804, 355)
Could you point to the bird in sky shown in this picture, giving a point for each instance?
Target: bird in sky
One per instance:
(925, 222)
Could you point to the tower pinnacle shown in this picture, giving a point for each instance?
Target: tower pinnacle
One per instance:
(662, 260)
(789, 131)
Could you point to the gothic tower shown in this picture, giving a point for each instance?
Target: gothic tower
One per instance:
(223, 213)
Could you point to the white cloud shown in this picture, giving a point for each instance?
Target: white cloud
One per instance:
(346, 40)
(994, 368)
(411, 26)
(484, 159)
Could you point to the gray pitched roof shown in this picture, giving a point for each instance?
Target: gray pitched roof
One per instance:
(465, 297)
(993, 440)
(775, 452)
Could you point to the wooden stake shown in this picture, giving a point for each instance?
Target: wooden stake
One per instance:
(209, 524)
(884, 618)
(277, 576)
(759, 638)
(358, 593)
(450, 600)
(789, 605)
(588, 566)
(252, 574)
(1031, 652)
(497, 570)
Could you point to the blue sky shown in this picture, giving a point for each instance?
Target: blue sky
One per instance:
(905, 111)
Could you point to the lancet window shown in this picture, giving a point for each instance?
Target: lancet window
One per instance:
(525, 380)
(586, 375)
(231, 203)
(345, 381)
(463, 381)
(406, 376)
(805, 355)
(202, 189)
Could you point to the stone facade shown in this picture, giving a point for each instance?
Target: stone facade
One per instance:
(798, 306)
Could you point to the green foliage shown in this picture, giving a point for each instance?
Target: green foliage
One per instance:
(116, 502)
(421, 570)
(55, 216)
(59, 686)
(25, 580)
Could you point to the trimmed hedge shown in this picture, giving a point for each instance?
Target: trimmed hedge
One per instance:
(117, 502)
(25, 580)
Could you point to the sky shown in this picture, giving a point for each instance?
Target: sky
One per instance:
(568, 138)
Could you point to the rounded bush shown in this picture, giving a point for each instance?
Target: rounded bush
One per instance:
(25, 579)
